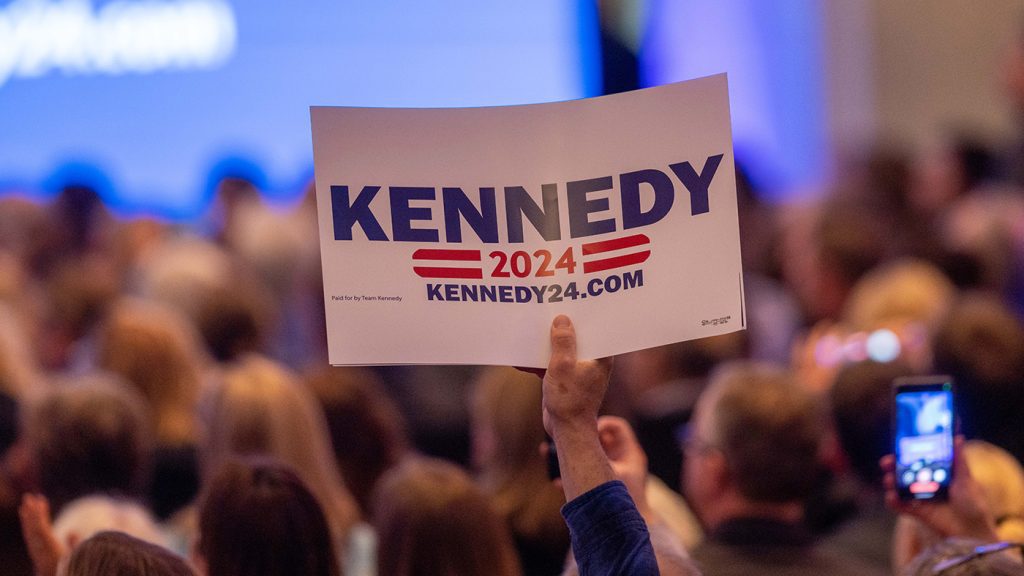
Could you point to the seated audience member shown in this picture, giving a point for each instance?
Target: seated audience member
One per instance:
(900, 291)
(367, 431)
(206, 283)
(77, 294)
(118, 554)
(828, 247)
(87, 437)
(262, 409)
(981, 345)
(257, 518)
(861, 401)
(507, 429)
(609, 535)
(433, 521)
(87, 442)
(970, 540)
(751, 462)
(158, 352)
(1001, 477)
(662, 385)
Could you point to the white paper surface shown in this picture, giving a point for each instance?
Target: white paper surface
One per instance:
(435, 235)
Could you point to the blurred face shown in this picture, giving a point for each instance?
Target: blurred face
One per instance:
(701, 459)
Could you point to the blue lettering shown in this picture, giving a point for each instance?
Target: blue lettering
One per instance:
(402, 214)
(469, 293)
(580, 207)
(523, 294)
(488, 293)
(633, 279)
(484, 222)
(697, 184)
(664, 195)
(347, 214)
(434, 292)
(594, 287)
(612, 284)
(505, 293)
(451, 292)
(518, 203)
(539, 291)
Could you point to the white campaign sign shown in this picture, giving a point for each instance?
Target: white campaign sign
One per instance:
(454, 236)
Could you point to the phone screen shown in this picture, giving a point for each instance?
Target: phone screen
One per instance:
(924, 438)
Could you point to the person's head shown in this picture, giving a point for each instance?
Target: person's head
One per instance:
(367, 431)
(156, 350)
(507, 426)
(507, 431)
(827, 249)
(91, 515)
(899, 292)
(78, 293)
(432, 520)
(755, 440)
(1001, 478)
(118, 554)
(261, 408)
(981, 344)
(956, 557)
(90, 436)
(861, 401)
(228, 305)
(257, 517)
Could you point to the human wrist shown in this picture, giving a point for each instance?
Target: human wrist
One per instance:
(572, 427)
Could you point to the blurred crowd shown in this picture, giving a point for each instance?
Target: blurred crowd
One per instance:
(165, 395)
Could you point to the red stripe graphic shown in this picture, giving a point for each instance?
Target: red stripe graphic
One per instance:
(432, 272)
(461, 255)
(616, 262)
(615, 244)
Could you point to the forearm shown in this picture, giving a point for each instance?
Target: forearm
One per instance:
(581, 459)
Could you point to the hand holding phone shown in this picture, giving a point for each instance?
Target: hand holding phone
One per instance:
(923, 428)
(965, 514)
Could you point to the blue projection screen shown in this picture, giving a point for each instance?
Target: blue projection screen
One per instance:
(151, 95)
(774, 55)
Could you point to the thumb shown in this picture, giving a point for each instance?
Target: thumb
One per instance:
(563, 347)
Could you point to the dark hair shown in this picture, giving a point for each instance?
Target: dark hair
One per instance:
(433, 521)
(91, 436)
(257, 518)
(367, 430)
(118, 554)
(861, 399)
(981, 344)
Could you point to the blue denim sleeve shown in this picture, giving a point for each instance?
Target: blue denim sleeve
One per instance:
(609, 537)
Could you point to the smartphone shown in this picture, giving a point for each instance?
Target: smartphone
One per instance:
(923, 422)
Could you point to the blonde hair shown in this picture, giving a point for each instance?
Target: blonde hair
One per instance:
(901, 291)
(157, 351)
(1001, 478)
(261, 408)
